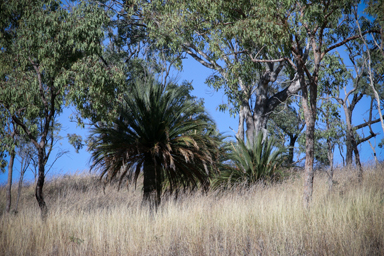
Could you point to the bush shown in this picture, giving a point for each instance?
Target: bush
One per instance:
(252, 163)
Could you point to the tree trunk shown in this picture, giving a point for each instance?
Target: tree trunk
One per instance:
(152, 186)
(330, 159)
(292, 141)
(349, 135)
(309, 157)
(250, 124)
(40, 184)
(19, 189)
(357, 160)
(260, 116)
(240, 130)
(374, 153)
(371, 78)
(9, 183)
(159, 186)
(265, 105)
(310, 119)
(349, 153)
(352, 143)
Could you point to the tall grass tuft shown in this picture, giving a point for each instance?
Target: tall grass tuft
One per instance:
(259, 220)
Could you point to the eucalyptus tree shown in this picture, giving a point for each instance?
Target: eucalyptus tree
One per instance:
(374, 10)
(161, 133)
(287, 122)
(8, 134)
(333, 132)
(372, 51)
(25, 152)
(47, 51)
(332, 77)
(299, 33)
(359, 78)
(213, 34)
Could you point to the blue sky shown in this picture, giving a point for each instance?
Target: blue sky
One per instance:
(193, 71)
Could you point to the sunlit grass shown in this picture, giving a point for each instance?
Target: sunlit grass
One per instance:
(263, 220)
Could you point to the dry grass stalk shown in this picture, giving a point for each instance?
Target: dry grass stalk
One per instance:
(264, 220)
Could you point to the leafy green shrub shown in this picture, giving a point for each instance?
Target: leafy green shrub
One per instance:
(251, 163)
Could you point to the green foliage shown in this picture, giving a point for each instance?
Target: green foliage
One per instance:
(286, 125)
(159, 131)
(221, 35)
(50, 56)
(381, 143)
(3, 163)
(251, 163)
(76, 141)
(52, 53)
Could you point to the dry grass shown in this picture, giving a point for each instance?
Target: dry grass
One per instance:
(259, 221)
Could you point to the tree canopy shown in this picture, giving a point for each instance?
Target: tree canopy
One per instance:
(46, 48)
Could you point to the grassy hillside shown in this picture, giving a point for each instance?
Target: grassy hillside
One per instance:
(264, 220)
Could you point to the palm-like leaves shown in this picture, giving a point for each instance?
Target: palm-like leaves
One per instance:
(160, 133)
(251, 163)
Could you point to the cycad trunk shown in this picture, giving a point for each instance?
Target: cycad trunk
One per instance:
(152, 186)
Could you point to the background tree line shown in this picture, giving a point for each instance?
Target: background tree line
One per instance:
(278, 61)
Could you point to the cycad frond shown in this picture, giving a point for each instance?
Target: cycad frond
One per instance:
(160, 133)
(251, 163)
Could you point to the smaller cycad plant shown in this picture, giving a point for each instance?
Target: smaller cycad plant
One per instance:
(251, 163)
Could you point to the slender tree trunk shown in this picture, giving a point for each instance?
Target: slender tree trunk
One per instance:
(369, 64)
(374, 153)
(330, 159)
(372, 85)
(292, 141)
(349, 135)
(20, 186)
(353, 144)
(330, 145)
(40, 184)
(9, 183)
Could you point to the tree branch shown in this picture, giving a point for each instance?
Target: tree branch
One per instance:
(347, 40)
(368, 123)
(281, 96)
(26, 130)
(211, 64)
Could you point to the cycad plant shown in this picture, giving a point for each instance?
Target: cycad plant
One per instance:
(160, 133)
(250, 163)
